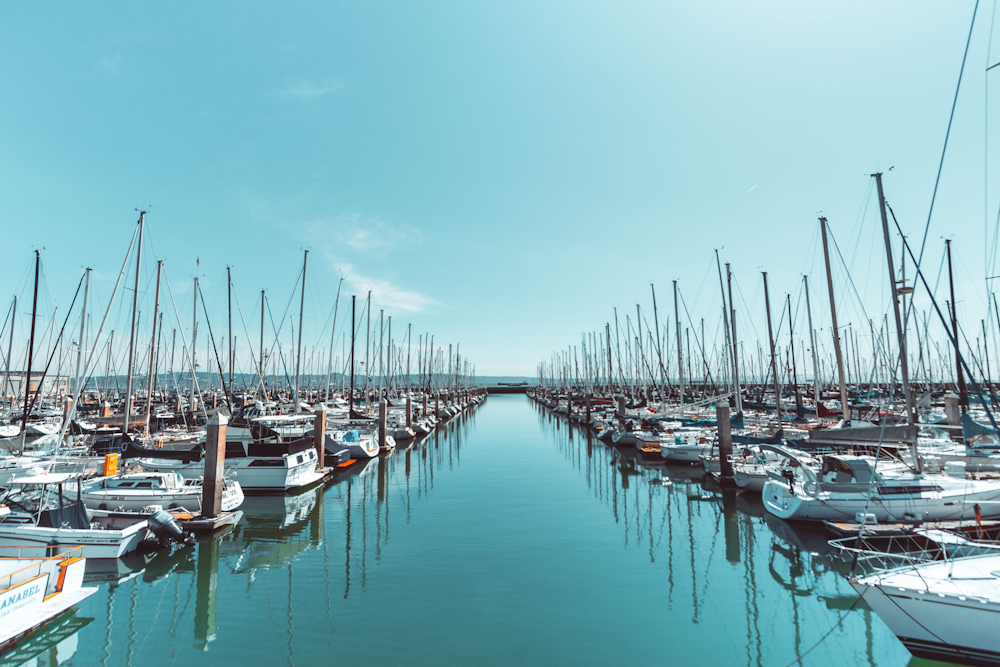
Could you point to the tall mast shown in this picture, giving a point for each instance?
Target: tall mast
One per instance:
(732, 321)
(774, 360)
(409, 344)
(260, 360)
(812, 344)
(333, 336)
(152, 350)
(194, 340)
(900, 332)
(10, 350)
(680, 352)
(351, 404)
(963, 394)
(836, 331)
(229, 344)
(83, 332)
(127, 411)
(795, 374)
(31, 350)
(298, 350)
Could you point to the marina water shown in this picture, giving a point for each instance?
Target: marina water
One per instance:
(505, 537)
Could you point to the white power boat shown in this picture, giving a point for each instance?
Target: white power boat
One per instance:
(685, 448)
(38, 518)
(360, 446)
(257, 467)
(137, 492)
(850, 488)
(35, 590)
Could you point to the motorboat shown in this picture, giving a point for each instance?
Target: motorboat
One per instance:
(38, 518)
(36, 589)
(138, 492)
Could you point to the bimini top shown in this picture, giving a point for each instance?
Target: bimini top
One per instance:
(45, 478)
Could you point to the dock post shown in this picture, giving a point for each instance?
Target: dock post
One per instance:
(725, 444)
(437, 406)
(319, 435)
(215, 461)
(381, 425)
(105, 409)
(621, 405)
(409, 412)
(586, 404)
(424, 414)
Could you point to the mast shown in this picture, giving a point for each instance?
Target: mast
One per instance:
(680, 352)
(260, 359)
(812, 344)
(127, 412)
(31, 350)
(963, 393)
(836, 332)
(333, 336)
(350, 413)
(732, 320)
(900, 332)
(795, 374)
(152, 355)
(774, 360)
(194, 339)
(83, 331)
(10, 350)
(298, 350)
(229, 293)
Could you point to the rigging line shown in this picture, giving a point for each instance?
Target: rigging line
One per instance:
(184, 345)
(55, 347)
(986, 148)
(90, 357)
(947, 134)
(277, 342)
(253, 357)
(951, 337)
(211, 339)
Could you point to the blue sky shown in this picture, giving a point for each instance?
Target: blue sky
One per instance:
(499, 173)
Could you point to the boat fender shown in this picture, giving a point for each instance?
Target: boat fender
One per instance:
(811, 488)
(163, 525)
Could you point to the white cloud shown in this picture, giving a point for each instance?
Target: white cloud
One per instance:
(386, 294)
(303, 89)
(367, 235)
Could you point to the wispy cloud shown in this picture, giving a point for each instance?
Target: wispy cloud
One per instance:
(303, 89)
(371, 239)
(385, 293)
(111, 64)
(365, 234)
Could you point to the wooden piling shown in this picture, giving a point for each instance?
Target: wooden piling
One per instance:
(215, 460)
(381, 425)
(319, 435)
(725, 443)
(409, 412)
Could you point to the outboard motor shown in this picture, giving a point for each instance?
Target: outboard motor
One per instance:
(165, 527)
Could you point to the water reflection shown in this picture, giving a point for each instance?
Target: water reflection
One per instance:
(783, 576)
(158, 607)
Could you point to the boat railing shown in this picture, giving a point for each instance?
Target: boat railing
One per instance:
(879, 553)
(7, 580)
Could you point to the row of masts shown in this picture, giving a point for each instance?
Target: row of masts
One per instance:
(675, 361)
(386, 366)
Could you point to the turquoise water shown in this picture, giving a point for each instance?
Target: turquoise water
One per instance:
(505, 538)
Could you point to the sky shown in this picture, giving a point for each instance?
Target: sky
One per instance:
(501, 174)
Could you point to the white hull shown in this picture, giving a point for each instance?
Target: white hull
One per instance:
(275, 474)
(924, 507)
(938, 610)
(36, 541)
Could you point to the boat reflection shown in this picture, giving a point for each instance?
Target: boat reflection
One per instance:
(701, 532)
